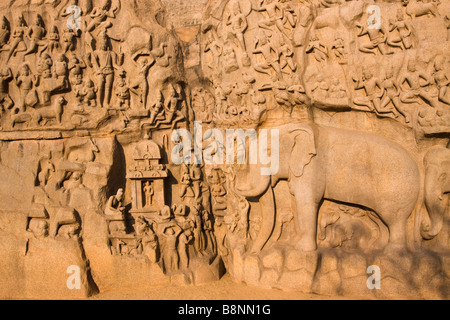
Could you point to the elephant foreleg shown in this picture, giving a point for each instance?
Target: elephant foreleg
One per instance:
(307, 211)
(267, 202)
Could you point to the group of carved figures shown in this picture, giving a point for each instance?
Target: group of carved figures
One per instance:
(81, 67)
(237, 94)
(172, 237)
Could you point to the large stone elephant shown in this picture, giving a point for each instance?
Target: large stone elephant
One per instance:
(437, 188)
(339, 165)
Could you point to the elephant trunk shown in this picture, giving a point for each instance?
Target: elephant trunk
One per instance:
(435, 202)
(252, 184)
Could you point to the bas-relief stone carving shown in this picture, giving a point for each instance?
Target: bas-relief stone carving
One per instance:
(88, 108)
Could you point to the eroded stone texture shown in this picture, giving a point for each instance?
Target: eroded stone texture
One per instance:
(346, 102)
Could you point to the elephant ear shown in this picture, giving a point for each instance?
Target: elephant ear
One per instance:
(303, 150)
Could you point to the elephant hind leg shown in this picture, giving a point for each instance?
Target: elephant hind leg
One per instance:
(397, 233)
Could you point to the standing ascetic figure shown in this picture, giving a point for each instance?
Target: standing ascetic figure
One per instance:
(105, 62)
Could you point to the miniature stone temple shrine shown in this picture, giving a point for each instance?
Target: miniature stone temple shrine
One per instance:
(148, 179)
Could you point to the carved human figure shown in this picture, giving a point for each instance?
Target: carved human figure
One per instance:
(149, 193)
(416, 89)
(141, 81)
(392, 93)
(216, 49)
(114, 205)
(183, 242)
(44, 65)
(68, 40)
(18, 35)
(172, 112)
(199, 236)
(196, 175)
(100, 15)
(76, 67)
(338, 48)
(319, 50)
(208, 229)
(441, 79)
(157, 109)
(230, 63)
(26, 82)
(61, 73)
(337, 90)
(238, 22)
(36, 33)
(372, 100)
(171, 260)
(123, 91)
(287, 56)
(377, 38)
(320, 89)
(89, 93)
(275, 14)
(6, 76)
(403, 40)
(52, 41)
(271, 56)
(5, 33)
(185, 181)
(105, 62)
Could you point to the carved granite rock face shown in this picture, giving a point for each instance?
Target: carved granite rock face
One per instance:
(299, 145)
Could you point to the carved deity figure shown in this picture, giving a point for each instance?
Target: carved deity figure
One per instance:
(372, 100)
(216, 49)
(238, 22)
(149, 193)
(18, 35)
(441, 79)
(392, 93)
(105, 63)
(270, 54)
(52, 41)
(100, 15)
(413, 78)
(403, 40)
(377, 38)
(315, 47)
(276, 15)
(36, 33)
(172, 114)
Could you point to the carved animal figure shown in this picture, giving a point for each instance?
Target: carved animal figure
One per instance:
(414, 8)
(49, 113)
(338, 165)
(437, 189)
